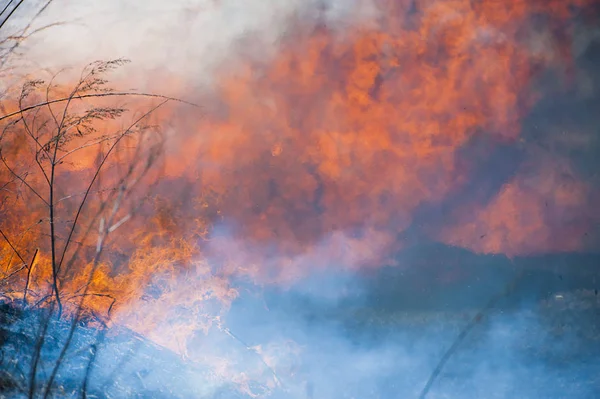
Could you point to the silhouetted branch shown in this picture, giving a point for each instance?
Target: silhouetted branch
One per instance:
(104, 227)
(29, 276)
(95, 95)
(11, 247)
(465, 332)
(10, 13)
(95, 177)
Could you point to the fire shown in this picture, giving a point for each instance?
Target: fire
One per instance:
(324, 155)
(541, 208)
(372, 123)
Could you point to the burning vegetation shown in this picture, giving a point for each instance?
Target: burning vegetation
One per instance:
(346, 146)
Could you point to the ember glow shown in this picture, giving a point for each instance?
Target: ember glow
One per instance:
(337, 150)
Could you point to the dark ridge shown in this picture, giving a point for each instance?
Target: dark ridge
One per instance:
(441, 278)
(438, 277)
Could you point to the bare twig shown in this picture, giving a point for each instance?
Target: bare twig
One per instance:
(248, 348)
(29, 276)
(7, 276)
(23, 34)
(88, 369)
(12, 247)
(95, 177)
(37, 353)
(21, 236)
(54, 138)
(51, 206)
(5, 7)
(22, 180)
(11, 12)
(95, 95)
(465, 332)
(103, 233)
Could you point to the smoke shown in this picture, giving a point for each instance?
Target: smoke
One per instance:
(335, 342)
(334, 332)
(324, 150)
(182, 39)
(300, 343)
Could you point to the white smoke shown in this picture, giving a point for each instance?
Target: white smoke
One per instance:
(185, 38)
